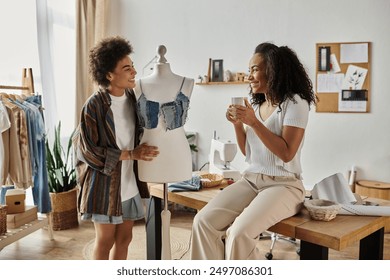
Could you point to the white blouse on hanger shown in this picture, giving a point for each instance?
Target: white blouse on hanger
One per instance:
(4, 125)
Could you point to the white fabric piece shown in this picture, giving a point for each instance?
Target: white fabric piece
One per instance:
(334, 188)
(364, 210)
(4, 125)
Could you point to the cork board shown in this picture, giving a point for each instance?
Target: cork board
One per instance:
(343, 77)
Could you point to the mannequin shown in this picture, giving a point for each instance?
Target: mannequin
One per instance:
(174, 162)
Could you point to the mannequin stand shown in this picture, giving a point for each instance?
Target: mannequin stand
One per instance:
(165, 230)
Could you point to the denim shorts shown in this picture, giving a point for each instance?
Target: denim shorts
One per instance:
(133, 209)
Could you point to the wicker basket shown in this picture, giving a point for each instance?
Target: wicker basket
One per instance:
(3, 219)
(210, 180)
(64, 210)
(322, 210)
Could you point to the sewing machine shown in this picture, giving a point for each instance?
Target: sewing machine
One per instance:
(222, 152)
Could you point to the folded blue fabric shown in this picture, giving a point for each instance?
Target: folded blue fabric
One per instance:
(192, 184)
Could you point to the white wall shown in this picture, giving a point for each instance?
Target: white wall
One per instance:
(18, 43)
(194, 31)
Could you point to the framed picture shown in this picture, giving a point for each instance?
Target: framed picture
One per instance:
(217, 75)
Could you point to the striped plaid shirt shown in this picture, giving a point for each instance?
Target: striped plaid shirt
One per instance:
(97, 157)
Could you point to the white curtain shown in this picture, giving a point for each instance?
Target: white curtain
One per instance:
(56, 45)
(67, 30)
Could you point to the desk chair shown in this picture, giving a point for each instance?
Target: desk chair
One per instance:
(275, 237)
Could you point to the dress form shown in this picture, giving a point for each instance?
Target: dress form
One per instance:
(174, 162)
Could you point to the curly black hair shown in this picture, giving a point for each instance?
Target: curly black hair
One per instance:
(285, 76)
(104, 57)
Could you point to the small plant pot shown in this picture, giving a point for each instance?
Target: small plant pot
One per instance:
(64, 210)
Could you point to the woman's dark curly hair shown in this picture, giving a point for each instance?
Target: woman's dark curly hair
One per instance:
(285, 76)
(104, 57)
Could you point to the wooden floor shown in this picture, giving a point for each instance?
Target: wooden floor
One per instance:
(69, 244)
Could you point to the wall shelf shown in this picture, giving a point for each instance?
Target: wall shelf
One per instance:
(221, 83)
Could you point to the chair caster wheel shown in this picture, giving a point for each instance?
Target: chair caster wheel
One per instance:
(269, 256)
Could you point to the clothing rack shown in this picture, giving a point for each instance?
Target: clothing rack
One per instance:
(27, 86)
(13, 235)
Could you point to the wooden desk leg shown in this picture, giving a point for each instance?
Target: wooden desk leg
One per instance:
(310, 251)
(153, 229)
(371, 247)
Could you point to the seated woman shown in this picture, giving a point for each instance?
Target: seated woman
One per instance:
(270, 132)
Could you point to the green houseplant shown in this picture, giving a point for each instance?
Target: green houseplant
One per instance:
(191, 138)
(62, 182)
(61, 173)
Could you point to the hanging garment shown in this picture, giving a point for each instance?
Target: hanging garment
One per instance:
(17, 166)
(4, 125)
(40, 190)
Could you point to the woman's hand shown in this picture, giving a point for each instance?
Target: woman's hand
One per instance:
(230, 115)
(245, 114)
(144, 152)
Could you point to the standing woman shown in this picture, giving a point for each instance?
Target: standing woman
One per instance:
(107, 151)
(270, 132)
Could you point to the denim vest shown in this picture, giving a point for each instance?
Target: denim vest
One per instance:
(174, 112)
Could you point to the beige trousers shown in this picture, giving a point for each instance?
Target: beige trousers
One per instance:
(228, 226)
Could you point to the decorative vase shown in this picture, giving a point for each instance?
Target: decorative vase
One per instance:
(64, 210)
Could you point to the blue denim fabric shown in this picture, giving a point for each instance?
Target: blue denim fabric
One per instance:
(3, 191)
(40, 190)
(132, 209)
(36, 134)
(147, 112)
(174, 112)
(192, 184)
(35, 127)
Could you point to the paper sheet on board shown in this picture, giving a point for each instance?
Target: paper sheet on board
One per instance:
(329, 82)
(354, 53)
(335, 64)
(352, 106)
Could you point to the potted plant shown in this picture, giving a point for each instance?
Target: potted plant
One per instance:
(62, 182)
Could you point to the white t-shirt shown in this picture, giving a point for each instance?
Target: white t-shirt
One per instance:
(4, 125)
(124, 121)
(259, 157)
